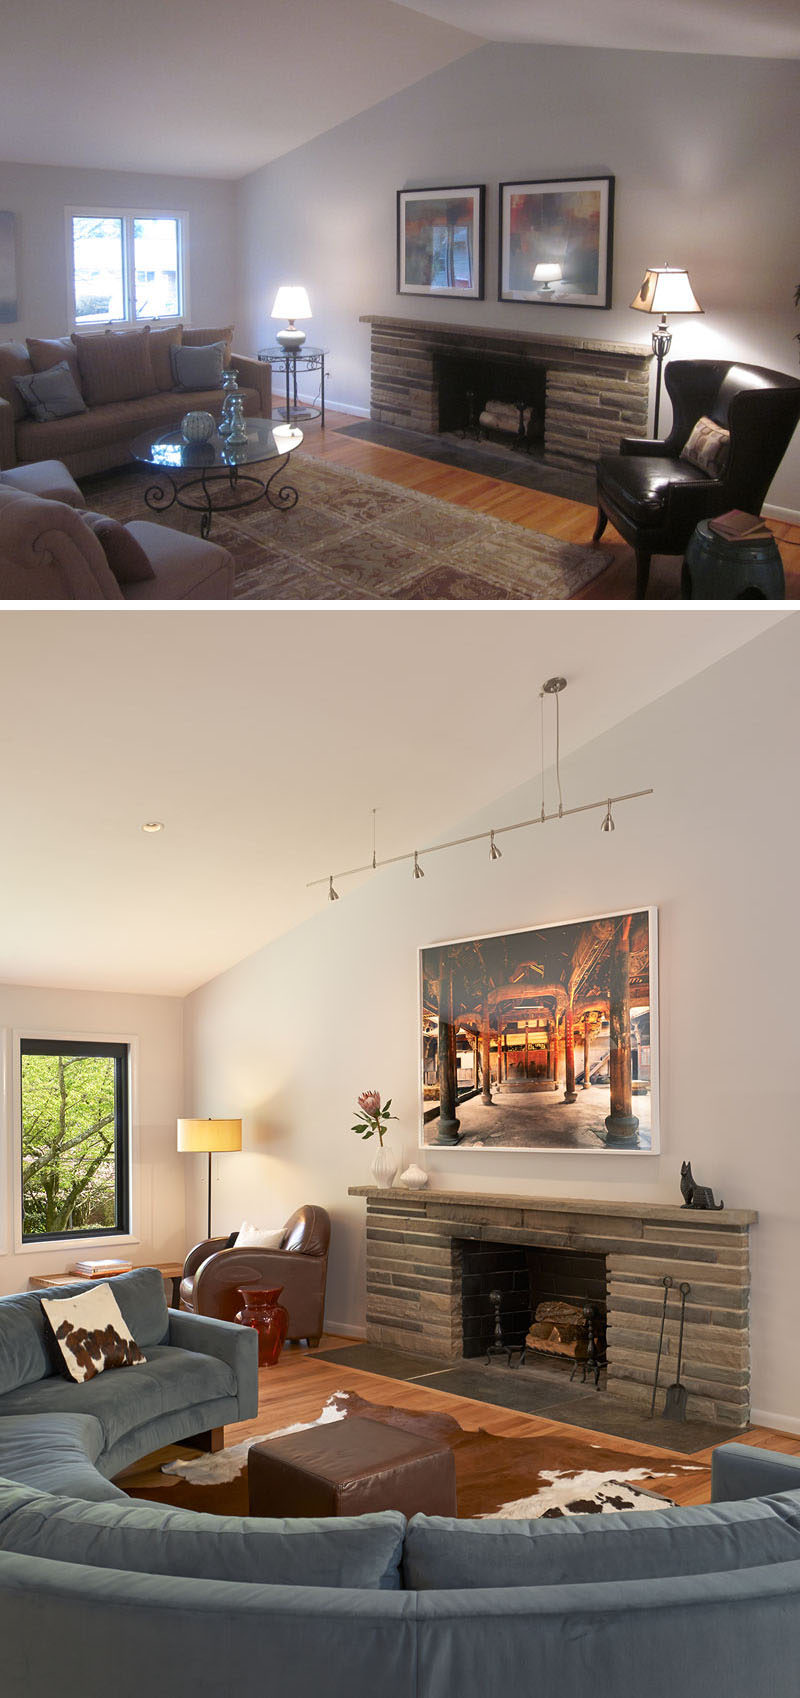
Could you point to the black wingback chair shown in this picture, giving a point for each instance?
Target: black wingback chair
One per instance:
(655, 499)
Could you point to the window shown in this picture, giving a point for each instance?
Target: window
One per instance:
(75, 1139)
(126, 267)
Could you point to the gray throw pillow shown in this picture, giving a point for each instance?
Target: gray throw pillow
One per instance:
(51, 394)
(198, 368)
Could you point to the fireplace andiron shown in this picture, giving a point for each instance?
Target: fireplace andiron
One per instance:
(498, 1347)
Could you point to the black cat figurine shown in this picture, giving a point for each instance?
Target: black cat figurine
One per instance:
(696, 1196)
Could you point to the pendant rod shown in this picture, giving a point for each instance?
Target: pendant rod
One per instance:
(478, 836)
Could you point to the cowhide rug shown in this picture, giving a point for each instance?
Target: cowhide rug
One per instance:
(514, 1478)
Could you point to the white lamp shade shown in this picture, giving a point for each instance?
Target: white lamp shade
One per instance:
(291, 302)
(666, 288)
(209, 1135)
(545, 273)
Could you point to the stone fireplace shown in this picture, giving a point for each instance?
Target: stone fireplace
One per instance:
(592, 392)
(423, 1247)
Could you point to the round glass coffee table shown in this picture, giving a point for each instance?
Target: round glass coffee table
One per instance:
(215, 482)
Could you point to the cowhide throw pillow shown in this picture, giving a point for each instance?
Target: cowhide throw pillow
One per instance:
(92, 1332)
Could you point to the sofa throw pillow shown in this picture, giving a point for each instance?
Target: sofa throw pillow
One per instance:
(115, 368)
(47, 351)
(124, 554)
(708, 447)
(170, 336)
(259, 1237)
(51, 394)
(14, 362)
(204, 338)
(197, 368)
(91, 1332)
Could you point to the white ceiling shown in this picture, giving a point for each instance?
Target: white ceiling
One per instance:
(193, 88)
(262, 739)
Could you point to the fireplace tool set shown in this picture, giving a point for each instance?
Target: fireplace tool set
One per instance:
(675, 1401)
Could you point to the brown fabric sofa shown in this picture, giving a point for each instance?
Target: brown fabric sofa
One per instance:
(213, 1273)
(48, 553)
(100, 438)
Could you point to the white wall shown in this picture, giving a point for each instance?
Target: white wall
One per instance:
(289, 1037)
(155, 1024)
(39, 194)
(705, 177)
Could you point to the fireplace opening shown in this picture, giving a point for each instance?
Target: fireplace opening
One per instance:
(493, 400)
(552, 1302)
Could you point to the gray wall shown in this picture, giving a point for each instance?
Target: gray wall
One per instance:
(704, 158)
(38, 196)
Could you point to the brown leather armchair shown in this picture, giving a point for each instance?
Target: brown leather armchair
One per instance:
(212, 1273)
(655, 500)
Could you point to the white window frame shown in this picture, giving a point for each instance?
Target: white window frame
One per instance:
(128, 214)
(42, 1246)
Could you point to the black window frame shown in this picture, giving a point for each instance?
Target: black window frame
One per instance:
(122, 1135)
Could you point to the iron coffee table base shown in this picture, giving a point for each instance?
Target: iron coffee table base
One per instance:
(206, 499)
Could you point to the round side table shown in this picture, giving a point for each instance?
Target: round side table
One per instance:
(717, 569)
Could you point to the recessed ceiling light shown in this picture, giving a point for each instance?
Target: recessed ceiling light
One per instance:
(153, 825)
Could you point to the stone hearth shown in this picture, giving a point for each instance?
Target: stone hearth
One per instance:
(595, 392)
(414, 1282)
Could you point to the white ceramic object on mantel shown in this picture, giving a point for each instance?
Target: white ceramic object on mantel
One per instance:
(415, 1178)
(384, 1167)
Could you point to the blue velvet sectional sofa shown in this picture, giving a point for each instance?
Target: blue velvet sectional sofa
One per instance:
(99, 1594)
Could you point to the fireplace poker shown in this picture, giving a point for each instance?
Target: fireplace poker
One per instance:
(667, 1284)
(675, 1402)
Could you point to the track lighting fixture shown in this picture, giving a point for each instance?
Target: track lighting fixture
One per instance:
(551, 687)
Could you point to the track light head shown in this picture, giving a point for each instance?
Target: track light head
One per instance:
(333, 895)
(608, 822)
(418, 873)
(495, 854)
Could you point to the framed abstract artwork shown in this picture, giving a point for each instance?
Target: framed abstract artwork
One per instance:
(543, 1040)
(9, 310)
(440, 242)
(556, 242)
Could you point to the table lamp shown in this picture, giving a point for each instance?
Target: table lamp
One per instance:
(208, 1136)
(546, 275)
(291, 302)
(664, 288)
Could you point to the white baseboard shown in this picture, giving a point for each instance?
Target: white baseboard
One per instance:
(313, 401)
(787, 514)
(344, 1329)
(781, 1423)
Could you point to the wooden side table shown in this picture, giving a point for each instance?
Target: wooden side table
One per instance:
(171, 1273)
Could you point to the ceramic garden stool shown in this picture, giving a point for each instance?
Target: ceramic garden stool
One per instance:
(351, 1467)
(717, 569)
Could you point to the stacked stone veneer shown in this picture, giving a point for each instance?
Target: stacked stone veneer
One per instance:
(596, 392)
(414, 1279)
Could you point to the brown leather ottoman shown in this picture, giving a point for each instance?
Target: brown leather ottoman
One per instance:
(351, 1467)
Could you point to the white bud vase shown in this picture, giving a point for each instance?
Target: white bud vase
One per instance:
(384, 1167)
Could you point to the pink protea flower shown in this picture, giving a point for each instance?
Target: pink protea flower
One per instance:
(370, 1102)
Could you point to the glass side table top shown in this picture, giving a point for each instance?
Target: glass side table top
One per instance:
(306, 352)
(267, 439)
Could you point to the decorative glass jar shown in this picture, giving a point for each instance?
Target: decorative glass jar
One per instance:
(237, 431)
(198, 427)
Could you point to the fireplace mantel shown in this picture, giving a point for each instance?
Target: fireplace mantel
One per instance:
(595, 391)
(414, 1275)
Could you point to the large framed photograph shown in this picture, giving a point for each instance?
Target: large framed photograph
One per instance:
(440, 242)
(542, 1040)
(9, 310)
(556, 242)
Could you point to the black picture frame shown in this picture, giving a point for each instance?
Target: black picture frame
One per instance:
(451, 269)
(561, 221)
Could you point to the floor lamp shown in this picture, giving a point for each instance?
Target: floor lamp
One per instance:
(664, 288)
(208, 1136)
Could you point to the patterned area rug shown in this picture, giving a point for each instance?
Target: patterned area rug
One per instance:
(514, 1478)
(354, 537)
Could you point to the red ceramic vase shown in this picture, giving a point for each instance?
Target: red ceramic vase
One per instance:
(262, 1311)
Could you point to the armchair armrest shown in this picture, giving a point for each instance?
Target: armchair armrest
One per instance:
(200, 1253)
(238, 1346)
(8, 450)
(642, 445)
(742, 1471)
(255, 374)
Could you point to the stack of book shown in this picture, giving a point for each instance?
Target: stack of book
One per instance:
(739, 527)
(93, 1269)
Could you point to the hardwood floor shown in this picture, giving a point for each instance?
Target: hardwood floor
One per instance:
(569, 520)
(298, 1387)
